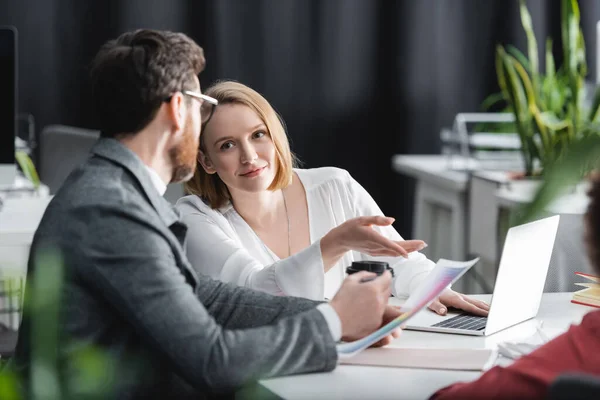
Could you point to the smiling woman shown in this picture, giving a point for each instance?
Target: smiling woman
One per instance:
(254, 121)
(240, 150)
(256, 221)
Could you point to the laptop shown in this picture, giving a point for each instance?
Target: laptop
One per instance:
(518, 289)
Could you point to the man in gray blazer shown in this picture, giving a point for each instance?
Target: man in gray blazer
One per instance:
(129, 289)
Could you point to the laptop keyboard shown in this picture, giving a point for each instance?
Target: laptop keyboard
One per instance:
(464, 321)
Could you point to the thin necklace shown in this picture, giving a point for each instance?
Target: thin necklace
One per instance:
(287, 216)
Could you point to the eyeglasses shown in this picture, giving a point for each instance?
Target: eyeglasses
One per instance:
(207, 107)
(207, 104)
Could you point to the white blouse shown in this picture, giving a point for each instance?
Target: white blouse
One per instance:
(222, 245)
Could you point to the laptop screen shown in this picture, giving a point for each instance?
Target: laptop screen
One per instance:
(522, 273)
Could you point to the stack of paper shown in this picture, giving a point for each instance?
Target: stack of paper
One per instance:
(589, 296)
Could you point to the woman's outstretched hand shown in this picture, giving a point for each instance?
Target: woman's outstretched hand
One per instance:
(358, 234)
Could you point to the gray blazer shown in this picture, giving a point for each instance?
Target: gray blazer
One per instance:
(130, 291)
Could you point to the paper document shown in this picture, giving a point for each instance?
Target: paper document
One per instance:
(451, 359)
(443, 275)
(515, 349)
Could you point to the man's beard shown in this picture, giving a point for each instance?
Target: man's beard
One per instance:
(183, 156)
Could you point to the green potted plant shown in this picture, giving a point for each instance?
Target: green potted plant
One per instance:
(548, 107)
(559, 132)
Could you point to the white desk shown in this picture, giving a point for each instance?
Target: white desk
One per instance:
(19, 219)
(519, 193)
(362, 382)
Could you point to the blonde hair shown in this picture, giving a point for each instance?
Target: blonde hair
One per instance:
(210, 187)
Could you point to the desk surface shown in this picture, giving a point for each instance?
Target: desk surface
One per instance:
(362, 382)
(20, 217)
(435, 169)
(518, 193)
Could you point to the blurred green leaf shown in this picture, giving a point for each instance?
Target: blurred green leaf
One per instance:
(60, 368)
(93, 374)
(550, 67)
(45, 301)
(595, 109)
(9, 387)
(580, 159)
(28, 168)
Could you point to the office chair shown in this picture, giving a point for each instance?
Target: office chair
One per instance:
(574, 387)
(63, 148)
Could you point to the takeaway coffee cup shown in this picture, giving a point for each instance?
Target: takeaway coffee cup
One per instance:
(377, 267)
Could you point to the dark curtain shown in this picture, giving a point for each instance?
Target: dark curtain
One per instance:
(356, 81)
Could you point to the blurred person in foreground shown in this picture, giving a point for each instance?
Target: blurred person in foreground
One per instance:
(575, 351)
(129, 289)
(256, 221)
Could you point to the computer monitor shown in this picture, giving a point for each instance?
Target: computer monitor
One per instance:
(8, 113)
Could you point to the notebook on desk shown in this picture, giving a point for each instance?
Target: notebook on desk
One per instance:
(518, 288)
(427, 358)
(590, 296)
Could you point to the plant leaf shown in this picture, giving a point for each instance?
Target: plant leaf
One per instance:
(580, 158)
(28, 168)
(533, 109)
(595, 109)
(532, 48)
(492, 100)
(513, 90)
(44, 309)
(574, 55)
(550, 66)
(516, 53)
(94, 373)
(551, 121)
(9, 387)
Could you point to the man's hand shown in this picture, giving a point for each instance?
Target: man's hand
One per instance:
(450, 298)
(390, 313)
(362, 306)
